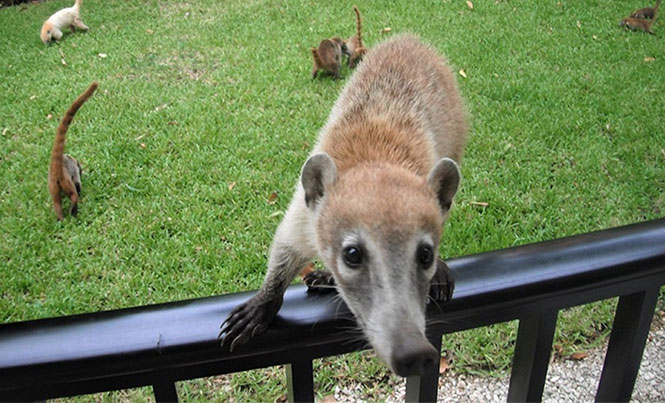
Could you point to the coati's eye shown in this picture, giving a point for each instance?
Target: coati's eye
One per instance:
(353, 256)
(425, 256)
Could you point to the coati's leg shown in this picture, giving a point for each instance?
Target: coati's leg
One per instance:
(442, 285)
(319, 281)
(290, 252)
(57, 203)
(74, 198)
(70, 190)
(440, 290)
(315, 70)
(56, 34)
(79, 24)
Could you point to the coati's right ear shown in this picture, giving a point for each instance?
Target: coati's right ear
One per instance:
(444, 180)
(318, 172)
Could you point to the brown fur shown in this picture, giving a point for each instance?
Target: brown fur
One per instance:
(371, 202)
(378, 136)
(355, 48)
(647, 12)
(637, 24)
(328, 57)
(64, 170)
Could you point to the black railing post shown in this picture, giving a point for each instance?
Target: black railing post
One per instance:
(532, 357)
(165, 391)
(624, 352)
(424, 388)
(300, 380)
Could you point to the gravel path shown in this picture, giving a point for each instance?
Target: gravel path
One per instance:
(567, 380)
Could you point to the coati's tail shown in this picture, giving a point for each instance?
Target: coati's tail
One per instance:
(655, 12)
(59, 143)
(358, 27)
(317, 61)
(317, 58)
(78, 3)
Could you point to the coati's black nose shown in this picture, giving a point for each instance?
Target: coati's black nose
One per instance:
(414, 356)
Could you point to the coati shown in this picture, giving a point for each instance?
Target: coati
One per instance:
(354, 45)
(67, 17)
(647, 12)
(328, 57)
(64, 174)
(371, 202)
(637, 24)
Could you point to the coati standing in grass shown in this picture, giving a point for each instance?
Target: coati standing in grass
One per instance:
(354, 45)
(638, 24)
(647, 12)
(328, 57)
(64, 174)
(371, 203)
(65, 18)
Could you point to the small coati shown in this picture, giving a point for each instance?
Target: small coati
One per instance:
(638, 24)
(65, 18)
(371, 203)
(354, 45)
(64, 174)
(328, 57)
(647, 12)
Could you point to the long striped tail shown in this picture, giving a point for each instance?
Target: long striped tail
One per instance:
(59, 143)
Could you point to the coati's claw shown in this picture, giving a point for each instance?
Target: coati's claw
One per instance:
(319, 281)
(442, 284)
(248, 320)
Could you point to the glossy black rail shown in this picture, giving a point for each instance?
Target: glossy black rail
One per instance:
(159, 345)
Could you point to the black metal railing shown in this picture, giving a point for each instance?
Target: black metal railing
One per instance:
(161, 344)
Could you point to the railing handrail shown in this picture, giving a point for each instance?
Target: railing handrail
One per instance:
(178, 340)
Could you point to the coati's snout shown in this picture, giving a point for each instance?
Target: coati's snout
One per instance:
(378, 229)
(413, 354)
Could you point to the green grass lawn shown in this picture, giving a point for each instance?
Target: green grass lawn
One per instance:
(206, 108)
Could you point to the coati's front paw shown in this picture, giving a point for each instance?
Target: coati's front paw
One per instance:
(249, 319)
(442, 284)
(319, 281)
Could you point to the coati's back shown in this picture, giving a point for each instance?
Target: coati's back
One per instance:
(400, 100)
(371, 203)
(379, 187)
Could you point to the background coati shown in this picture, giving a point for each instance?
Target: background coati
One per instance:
(354, 45)
(328, 57)
(64, 174)
(65, 18)
(638, 24)
(647, 12)
(371, 203)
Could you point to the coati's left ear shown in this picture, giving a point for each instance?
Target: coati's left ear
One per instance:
(444, 180)
(318, 172)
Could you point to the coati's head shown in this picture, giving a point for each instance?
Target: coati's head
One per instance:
(46, 33)
(378, 229)
(339, 42)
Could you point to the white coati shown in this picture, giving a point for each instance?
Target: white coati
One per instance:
(60, 20)
(646, 12)
(328, 57)
(371, 203)
(64, 174)
(354, 45)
